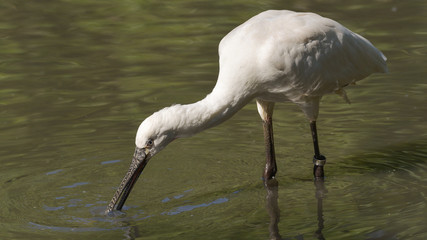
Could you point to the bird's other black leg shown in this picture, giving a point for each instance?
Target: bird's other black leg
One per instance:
(319, 160)
(265, 110)
(270, 161)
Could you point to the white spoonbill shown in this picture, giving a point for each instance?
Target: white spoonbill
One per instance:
(275, 56)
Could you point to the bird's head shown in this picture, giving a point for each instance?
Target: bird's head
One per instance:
(154, 133)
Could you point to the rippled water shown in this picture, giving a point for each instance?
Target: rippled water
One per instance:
(77, 78)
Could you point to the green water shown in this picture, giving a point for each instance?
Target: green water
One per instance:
(78, 77)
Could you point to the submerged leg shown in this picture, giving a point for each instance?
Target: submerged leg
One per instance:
(318, 159)
(265, 109)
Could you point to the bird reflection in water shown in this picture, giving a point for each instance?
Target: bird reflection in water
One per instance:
(320, 194)
(272, 187)
(273, 210)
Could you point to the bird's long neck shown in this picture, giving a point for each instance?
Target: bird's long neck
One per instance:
(221, 104)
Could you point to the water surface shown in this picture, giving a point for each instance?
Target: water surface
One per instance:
(78, 77)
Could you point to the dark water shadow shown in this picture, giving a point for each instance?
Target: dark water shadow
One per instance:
(112, 222)
(129, 231)
(409, 157)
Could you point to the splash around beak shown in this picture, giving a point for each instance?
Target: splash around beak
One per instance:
(139, 161)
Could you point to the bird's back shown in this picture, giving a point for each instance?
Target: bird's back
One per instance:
(296, 55)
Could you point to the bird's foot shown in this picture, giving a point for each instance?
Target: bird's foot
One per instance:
(318, 172)
(270, 182)
(269, 171)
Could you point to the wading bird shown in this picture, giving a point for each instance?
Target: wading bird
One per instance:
(275, 56)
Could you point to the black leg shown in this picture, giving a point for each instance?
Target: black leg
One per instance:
(270, 161)
(319, 160)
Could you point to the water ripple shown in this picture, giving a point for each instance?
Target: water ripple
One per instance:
(73, 229)
(187, 208)
(54, 172)
(75, 185)
(110, 162)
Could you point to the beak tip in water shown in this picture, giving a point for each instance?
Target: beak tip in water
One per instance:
(113, 213)
(139, 161)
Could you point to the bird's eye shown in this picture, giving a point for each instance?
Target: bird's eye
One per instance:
(149, 143)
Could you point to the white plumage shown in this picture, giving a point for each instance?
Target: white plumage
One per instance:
(275, 56)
